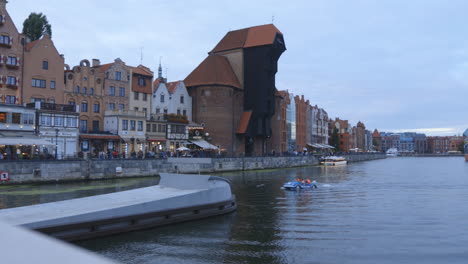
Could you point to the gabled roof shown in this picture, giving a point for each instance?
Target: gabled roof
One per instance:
(247, 38)
(214, 70)
(376, 133)
(142, 70)
(172, 86)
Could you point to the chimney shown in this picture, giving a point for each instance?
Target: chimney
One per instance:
(96, 62)
(3, 4)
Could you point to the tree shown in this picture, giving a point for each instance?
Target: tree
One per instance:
(461, 147)
(335, 140)
(36, 25)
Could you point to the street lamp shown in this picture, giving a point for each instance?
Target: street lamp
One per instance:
(56, 142)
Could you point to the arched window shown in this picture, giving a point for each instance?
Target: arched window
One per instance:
(85, 90)
(77, 89)
(91, 91)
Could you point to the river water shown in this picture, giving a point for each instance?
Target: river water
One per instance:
(397, 210)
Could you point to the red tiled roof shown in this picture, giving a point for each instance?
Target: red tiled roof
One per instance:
(247, 38)
(31, 45)
(156, 83)
(104, 67)
(244, 122)
(376, 133)
(142, 71)
(214, 70)
(172, 86)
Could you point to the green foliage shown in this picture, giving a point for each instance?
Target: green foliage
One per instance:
(335, 140)
(36, 25)
(461, 147)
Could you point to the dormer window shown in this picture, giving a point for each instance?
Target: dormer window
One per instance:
(141, 81)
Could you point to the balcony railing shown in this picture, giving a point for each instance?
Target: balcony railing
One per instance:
(54, 107)
(125, 113)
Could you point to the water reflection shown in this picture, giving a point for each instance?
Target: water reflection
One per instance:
(22, 195)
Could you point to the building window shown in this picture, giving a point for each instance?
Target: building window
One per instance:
(162, 98)
(39, 83)
(140, 125)
(184, 112)
(112, 91)
(145, 97)
(124, 124)
(83, 126)
(111, 106)
(51, 101)
(165, 111)
(178, 111)
(10, 99)
(28, 119)
(11, 80)
(148, 127)
(95, 125)
(135, 108)
(158, 110)
(52, 84)
(136, 95)
(58, 121)
(181, 99)
(84, 106)
(122, 92)
(3, 117)
(91, 91)
(145, 110)
(46, 120)
(132, 125)
(45, 65)
(16, 118)
(96, 108)
(121, 106)
(71, 102)
(12, 61)
(85, 90)
(5, 40)
(141, 81)
(118, 76)
(154, 127)
(71, 121)
(77, 89)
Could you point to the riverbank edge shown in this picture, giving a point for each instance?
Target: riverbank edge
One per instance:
(33, 172)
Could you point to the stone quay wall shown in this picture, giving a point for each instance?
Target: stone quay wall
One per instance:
(76, 170)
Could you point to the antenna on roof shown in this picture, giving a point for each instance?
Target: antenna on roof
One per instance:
(141, 55)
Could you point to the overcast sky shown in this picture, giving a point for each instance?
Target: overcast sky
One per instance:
(396, 65)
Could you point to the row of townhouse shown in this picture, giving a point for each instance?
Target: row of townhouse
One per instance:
(119, 108)
(410, 142)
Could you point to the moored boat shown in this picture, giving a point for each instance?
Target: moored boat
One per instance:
(334, 161)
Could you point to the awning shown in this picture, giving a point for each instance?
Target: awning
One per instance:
(244, 122)
(156, 140)
(32, 140)
(321, 146)
(203, 144)
(109, 137)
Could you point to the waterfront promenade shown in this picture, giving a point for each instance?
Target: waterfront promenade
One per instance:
(76, 170)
